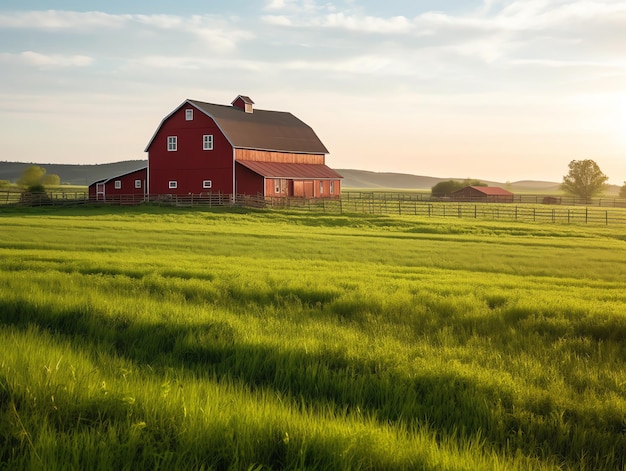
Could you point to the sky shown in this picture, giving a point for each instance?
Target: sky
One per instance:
(496, 90)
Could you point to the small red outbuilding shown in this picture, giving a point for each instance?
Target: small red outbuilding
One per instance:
(482, 194)
(131, 187)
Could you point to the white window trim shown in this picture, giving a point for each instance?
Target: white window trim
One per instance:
(118, 184)
(189, 114)
(207, 142)
(321, 187)
(207, 184)
(173, 184)
(137, 183)
(172, 143)
(332, 187)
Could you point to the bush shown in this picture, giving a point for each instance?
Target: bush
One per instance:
(35, 195)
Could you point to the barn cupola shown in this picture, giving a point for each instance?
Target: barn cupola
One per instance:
(244, 103)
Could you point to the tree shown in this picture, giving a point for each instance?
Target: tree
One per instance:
(35, 175)
(622, 191)
(35, 195)
(51, 180)
(585, 179)
(31, 175)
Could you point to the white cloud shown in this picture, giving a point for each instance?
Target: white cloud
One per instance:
(276, 20)
(367, 24)
(61, 20)
(275, 5)
(296, 6)
(183, 62)
(36, 59)
(221, 35)
(161, 21)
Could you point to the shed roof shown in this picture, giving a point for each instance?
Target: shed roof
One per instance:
(290, 170)
(261, 130)
(108, 179)
(488, 190)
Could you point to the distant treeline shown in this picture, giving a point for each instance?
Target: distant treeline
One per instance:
(70, 173)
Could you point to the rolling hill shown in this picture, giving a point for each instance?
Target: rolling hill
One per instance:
(73, 174)
(357, 179)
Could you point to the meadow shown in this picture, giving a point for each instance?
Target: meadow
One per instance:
(172, 338)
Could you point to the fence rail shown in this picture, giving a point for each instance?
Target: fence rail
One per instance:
(607, 202)
(365, 203)
(481, 211)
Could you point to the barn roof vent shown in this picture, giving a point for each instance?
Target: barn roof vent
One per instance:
(244, 103)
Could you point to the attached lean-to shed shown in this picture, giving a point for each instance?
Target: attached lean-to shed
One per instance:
(482, 194)
(131, 186)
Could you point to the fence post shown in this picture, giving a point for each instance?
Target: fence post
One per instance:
(586, 214)
(568, 215)
(474, 211)
(607, 217)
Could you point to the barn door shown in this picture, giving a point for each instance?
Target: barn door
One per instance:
(100, 192)
(308, 189)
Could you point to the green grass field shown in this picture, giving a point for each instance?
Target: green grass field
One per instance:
(169, 338)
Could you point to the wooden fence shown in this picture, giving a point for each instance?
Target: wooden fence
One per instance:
(607, 202)
(403, 204)
(483, 211)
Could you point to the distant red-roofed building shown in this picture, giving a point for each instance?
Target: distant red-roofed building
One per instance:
(482, 194)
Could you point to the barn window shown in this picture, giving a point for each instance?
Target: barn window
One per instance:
(137, 183)
(321, 188)
(189, 115)
(173, 184)
(207, 183)
(332, 187)
(172, 143)
(118, 184)
(276, 185)
(207, 142)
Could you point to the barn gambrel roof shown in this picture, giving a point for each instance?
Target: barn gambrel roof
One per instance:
(260, 130)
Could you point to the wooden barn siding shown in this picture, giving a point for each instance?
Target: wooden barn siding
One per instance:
(190, 164)
(278, 157)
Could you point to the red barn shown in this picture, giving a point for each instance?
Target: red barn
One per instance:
(207, 148)
(131, 186)
(482, 194)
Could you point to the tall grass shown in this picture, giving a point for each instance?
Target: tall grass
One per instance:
(207, 339)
